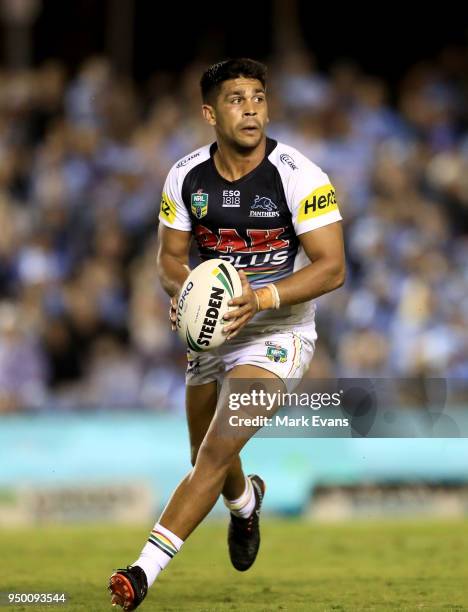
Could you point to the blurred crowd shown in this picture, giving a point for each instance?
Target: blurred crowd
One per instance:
(83, 157)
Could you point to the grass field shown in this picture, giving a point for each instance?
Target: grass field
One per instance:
(361, 566)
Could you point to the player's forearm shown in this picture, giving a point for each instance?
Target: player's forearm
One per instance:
(320, 277)
(172, 273)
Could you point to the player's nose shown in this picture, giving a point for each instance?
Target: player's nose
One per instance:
(249, 109)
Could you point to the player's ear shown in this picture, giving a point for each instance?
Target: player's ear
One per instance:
(209, 114)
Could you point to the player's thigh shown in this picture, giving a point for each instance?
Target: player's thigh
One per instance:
(224, 441)
(286, 353)
(200, 403)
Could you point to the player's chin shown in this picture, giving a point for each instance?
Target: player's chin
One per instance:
(249, 138)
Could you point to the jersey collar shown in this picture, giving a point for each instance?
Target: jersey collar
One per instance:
(269, 148)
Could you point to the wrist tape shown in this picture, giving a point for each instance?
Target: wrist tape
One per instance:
(267, 297)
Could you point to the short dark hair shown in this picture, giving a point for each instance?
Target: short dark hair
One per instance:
(215, 75)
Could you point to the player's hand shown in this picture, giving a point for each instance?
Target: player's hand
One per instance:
(173, 312)
(247, 306)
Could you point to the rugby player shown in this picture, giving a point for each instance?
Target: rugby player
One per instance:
(272, 213)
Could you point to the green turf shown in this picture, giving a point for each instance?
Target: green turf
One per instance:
(301, 566)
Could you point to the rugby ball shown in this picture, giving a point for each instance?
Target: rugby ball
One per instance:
(203, 300)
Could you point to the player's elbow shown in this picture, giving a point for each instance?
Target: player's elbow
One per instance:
(337, 275)
(341, 276)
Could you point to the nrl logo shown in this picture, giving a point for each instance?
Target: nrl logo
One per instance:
(199, 204)
(263, 207)
(275, 352)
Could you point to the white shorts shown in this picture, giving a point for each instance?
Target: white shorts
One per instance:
(287, 353)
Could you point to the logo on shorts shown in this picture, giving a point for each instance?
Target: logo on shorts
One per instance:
(193, 364)
(275, 352)
(263, 207)
(199, 204)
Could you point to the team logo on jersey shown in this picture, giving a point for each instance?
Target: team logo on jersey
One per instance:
(263, 207)
(231, 198)
(319, 202)
(276, 352)
(199, 204)
(288, 160)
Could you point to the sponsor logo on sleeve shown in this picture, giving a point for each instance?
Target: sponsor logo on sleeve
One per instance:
(168, 208)
(320, 202)
(185, 161)
(199, 204)
(263, 207)
(288, 160)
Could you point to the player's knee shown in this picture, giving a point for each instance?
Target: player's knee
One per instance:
(194, 454)
(214, 454)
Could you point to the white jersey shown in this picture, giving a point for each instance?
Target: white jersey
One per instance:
(255, 221)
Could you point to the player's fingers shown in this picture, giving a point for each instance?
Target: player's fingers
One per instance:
(239, 313)
(236, 326)
(246, 291)
(173, 313)
(243, 277)
(239, 301)
(239, 325)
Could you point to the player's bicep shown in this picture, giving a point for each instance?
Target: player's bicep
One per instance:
(173, 243)
(325, 244)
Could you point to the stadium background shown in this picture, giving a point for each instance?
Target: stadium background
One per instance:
(97, 100)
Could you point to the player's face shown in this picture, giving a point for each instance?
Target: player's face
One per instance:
(240, 112)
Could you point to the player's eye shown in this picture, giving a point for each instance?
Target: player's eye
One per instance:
(236, 100)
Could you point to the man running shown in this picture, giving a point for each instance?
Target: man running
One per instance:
(272, 213)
